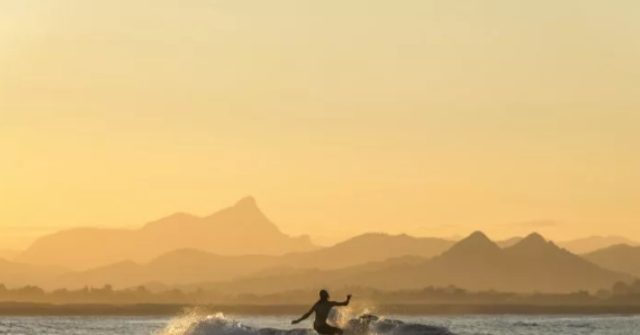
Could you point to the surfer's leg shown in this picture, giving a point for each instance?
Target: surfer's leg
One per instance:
(334, 330)
(328, 330)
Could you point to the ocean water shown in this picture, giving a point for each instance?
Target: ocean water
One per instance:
(195, 324)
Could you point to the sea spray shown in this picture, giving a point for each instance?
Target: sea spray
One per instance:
(196, 323)
(180, 325)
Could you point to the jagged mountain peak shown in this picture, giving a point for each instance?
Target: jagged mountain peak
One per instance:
(535, 245)
(475, 244)
(247, 202)
(243, 215)
(477, 239)
(533, 239)
(478, 235)
(246, 208)
(238, 229)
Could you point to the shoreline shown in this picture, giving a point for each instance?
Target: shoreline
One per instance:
(165, 310)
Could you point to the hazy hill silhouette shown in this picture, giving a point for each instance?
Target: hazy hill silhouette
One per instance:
(367, 248)
(179, 267)
(555, 269)
(8, 254)
(593, 243)
(189, 266)
(531, 264)
(621, 257)
(240, 249)
(475, 263)
(240, 229)
(13, 274)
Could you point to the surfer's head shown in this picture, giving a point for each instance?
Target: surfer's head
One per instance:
(324, 295)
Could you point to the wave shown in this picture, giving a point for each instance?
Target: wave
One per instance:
(366, 324)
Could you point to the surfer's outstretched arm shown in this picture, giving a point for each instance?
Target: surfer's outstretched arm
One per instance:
(343, 303)
(306, 315)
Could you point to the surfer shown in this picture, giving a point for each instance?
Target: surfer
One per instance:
(322, 308)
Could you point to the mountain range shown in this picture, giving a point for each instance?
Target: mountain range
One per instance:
(237, 230)
(238, 249)
(475, 263)
(187, 266)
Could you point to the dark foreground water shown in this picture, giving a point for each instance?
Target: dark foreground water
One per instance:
(194, 324)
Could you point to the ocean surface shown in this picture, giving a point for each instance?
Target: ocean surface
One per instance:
(194, 324)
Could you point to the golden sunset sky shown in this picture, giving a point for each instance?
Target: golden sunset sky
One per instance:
(434, 118)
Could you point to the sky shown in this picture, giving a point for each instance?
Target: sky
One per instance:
(427, 117)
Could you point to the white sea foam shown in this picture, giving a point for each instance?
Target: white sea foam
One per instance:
(197, 324)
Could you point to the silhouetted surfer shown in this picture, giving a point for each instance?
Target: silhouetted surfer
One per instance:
(322, 308)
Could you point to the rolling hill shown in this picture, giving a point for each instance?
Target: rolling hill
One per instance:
(593, 243)
(13, 274)
(8, 254)
(179, 267)
(621, 257)
(365, 248)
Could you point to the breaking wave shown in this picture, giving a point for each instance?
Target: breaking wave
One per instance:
(367, 324)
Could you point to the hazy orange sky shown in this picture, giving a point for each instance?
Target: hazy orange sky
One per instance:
(427, 117)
